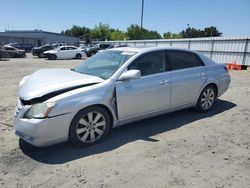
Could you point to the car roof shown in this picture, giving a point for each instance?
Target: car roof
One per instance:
(144, 49)
(67, 46)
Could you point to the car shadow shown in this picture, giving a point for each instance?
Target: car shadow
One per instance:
(141, 130)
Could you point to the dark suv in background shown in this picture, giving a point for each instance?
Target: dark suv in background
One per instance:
(94, 49)
(38, 51)
(26, 47)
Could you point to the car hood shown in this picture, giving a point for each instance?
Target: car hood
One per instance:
(56, 81)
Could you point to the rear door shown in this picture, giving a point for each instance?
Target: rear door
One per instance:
(187, 76)
(150, 93)
(72, 52)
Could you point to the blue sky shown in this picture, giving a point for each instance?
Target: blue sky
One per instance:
(231, 17)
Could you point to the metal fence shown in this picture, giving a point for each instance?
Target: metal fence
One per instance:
(220, 49)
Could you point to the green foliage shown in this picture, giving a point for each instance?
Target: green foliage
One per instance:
(170, 35)
(77, 31)
(101, 32)
(134, 33)
(194, 33)
(104, 32)
(117, 35)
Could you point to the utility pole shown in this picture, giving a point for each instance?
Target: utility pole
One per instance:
(142, 9)
(188, 31)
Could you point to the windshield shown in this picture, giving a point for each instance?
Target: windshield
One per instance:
(104, 64)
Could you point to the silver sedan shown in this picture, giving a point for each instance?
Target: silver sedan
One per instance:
(112, 88)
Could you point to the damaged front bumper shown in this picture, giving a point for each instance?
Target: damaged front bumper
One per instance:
(41, 132)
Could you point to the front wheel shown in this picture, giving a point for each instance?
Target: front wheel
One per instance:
(206, 99)
(52, 56)
(89, 126)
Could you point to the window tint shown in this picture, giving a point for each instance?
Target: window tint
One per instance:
(71, 48)
(150, 64)
(182, 60)
(64, 48)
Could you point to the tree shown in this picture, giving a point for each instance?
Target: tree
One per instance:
(170, 35)
(150, 34)
(134, 33)
(211, 32)
(77, 31)
(195, 33)
(117, 35)
(101, 32)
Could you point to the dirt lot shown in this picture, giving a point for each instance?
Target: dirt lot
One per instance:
(181, 149)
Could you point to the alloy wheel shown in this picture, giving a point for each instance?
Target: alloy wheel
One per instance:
(207, 98)
(91, 127)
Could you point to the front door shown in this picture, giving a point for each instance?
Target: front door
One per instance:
(150, 93)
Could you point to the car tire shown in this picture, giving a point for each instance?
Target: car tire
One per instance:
(52, 56)
(92, 53)
(78, 56)
(41, 55)
(90, 126)
(206, 99)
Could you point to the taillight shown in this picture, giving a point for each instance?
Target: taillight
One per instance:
(226, 69)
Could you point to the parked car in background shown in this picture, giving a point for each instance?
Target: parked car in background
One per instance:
(112, 88)
(94, 49)
(121, 45)
(58, 44)
(38, 51)
(3, 53)
(26, 47)
(14, 52)
(65, 52)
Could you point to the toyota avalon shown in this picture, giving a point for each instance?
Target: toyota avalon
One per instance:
(112, 88)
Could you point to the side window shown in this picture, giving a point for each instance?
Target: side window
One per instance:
(8, 48)
(64, 48)
(71, 48)
(152, 63)
(101, 46)
(182, 60)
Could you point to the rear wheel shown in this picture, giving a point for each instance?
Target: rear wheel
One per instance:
(78, 56)
(206, 99)
(92, 53)
(89, 126)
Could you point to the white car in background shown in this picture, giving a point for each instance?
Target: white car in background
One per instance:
(65, 52)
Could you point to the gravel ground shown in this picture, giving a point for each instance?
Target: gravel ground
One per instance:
(181, 149)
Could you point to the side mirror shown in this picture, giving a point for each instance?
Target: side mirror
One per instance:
(130, 74)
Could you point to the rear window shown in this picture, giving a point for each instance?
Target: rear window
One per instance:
(183, 60)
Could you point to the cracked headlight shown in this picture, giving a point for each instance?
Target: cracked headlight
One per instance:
(40, 110)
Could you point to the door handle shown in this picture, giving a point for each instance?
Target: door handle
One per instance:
(164, 82)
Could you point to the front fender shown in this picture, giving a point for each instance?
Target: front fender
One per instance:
(76, 100)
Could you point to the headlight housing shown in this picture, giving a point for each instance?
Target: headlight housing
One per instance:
(40, 110)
